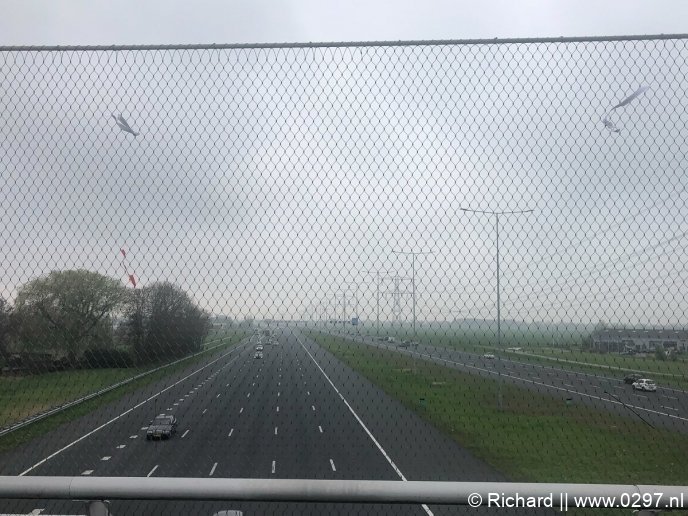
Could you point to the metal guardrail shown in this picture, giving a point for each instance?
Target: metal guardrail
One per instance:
(495, 494)
(65, 406)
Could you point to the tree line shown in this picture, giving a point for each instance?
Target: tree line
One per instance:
(80, 318)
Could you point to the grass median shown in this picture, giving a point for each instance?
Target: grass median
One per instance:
(21, 397)
(534, 437)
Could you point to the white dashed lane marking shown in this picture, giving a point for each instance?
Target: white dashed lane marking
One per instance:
(320, 428)
(121, 446)
(332, 464)
(107, 457)
(231, 432)
(242, 409)
(275, 430)
(273, 466)
(213, 470)
(87, 472)
(205, 410)
(184, 434)
(278, 409)
(133, 437)
(152, 471)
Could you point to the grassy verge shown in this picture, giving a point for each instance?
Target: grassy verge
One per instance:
(22, 396)
(535, 437)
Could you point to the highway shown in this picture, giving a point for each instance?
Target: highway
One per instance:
(296, 413)
(667, 408)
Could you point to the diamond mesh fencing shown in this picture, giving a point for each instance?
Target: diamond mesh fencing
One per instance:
(431, 261)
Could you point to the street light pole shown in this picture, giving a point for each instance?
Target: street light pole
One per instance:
(499, 307)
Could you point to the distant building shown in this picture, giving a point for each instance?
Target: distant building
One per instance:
(617, 340)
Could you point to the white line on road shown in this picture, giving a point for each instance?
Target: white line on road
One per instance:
(205, 410)
(133, 437)
(313, 407)
(88, 434)
(152, 471)
(144, 428)
(175, 405)
(275, 430)
(121, 446)
(253, 384)
(308, 392)
(87, 472)
(213, 470)
(320, 428)
(671, 397)
(332, 464)
(248, 395)
(277, 408)
(555, 387)
(107, 457)
(360, 421)
(640, 396)
(218, 395)
(568, 385)
(278, 394)
(227, 385)
(669, 408)
(231, 432)
(181, 399)
(242, 409)
(184, 434)
(169, 408)
(273, 466)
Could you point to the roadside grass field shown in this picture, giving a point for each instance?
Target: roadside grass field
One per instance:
(21, 397)
(535, 437)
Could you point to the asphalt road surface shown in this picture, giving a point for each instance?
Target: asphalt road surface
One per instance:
(667, 407)
(296, 413)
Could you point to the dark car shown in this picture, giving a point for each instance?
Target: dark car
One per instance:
(162, 427)
(632, 378)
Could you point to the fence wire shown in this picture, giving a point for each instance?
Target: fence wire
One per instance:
(432, 261)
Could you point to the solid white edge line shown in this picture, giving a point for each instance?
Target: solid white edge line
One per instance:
(43, 461)
(372, 437)
(556, 387)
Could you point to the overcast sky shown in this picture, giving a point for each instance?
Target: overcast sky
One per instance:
(267, 182)
(89, 22)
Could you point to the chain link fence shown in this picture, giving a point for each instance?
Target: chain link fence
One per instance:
(433, 261)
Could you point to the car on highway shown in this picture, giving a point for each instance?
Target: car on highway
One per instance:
(632, 378)
(645, 384)
(489, 356)
(162, 427)
(258, 354)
